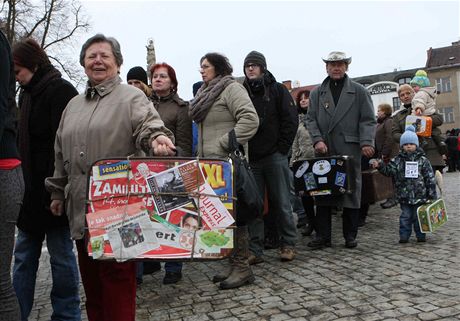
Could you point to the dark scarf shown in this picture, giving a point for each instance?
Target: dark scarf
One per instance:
(40, 80)
(206, 95)
(336, 87)
(262, 83)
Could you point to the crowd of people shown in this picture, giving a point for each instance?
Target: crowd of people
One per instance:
(61, 133)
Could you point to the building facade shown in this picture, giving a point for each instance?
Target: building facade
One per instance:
(443, 69)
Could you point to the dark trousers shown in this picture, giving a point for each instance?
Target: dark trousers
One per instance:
(308, 203)
(350, 218)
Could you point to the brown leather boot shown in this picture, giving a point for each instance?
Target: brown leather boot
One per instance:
(225, 273)
(241, 272)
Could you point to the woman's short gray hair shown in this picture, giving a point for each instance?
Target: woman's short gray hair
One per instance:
(116, 50)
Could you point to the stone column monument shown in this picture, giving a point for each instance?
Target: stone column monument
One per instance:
(151, 57)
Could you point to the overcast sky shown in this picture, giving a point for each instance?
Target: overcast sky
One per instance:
(293, 35)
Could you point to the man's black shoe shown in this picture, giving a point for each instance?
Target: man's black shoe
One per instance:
(172, 277)
(307, 230)
(319, 244)
(351, 243)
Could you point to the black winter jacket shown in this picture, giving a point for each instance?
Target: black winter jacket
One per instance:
(7, 102)
(47, 107)
(278, 119)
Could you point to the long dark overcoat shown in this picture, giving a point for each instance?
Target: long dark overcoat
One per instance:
(345, 129)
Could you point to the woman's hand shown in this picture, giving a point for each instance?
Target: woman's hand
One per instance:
(163, 146)
(57, 207)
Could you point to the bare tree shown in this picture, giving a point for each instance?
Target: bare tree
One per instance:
(53, 23)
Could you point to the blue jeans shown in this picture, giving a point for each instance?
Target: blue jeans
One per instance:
(272, 172)
(65, 298)
(407, 220)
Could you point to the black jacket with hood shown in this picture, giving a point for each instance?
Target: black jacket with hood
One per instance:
(278, 120)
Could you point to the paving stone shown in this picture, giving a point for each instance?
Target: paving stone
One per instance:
(379, 280)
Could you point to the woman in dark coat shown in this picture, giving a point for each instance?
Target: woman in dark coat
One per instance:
(43, 97)
(385, 147)
(174, 113)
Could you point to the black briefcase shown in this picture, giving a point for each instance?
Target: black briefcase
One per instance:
(332, 175)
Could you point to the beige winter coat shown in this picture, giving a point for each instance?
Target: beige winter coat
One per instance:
(232, 109)
(108, 125)
(302, 147)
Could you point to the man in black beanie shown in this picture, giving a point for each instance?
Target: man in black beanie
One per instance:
(268, 154)
(137, 77)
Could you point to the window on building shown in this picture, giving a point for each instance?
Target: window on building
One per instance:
(448, 114)
(404, 80)
(443, 85)
(396, 103)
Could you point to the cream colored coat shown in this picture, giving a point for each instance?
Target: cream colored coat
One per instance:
(232, 109)
(111, 124)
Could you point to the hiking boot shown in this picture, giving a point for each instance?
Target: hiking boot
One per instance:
(287, 253)
(403, 241)
(223, 275)
(241, 272)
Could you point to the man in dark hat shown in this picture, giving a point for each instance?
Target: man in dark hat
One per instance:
(341, 121)
(137, 77)
(268, 153)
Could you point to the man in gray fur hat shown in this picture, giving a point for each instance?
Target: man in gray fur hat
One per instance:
(341, 121)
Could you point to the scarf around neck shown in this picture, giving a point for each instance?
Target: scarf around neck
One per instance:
(206, 96)
(43, 77)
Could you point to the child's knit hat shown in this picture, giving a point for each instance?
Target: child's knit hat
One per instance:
(420, 79)
(409, 136)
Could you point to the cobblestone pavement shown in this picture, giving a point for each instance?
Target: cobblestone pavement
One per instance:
(379, 280)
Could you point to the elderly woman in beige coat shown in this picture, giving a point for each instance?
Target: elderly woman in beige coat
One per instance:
(220, 105)
(109, 120)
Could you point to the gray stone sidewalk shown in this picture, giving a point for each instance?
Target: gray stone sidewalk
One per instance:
(379, 280)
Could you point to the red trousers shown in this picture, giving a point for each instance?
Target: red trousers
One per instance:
(110, 287)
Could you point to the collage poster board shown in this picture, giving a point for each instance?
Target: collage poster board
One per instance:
(160, 208)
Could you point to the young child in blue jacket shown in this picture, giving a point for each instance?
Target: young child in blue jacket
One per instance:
(415, 182)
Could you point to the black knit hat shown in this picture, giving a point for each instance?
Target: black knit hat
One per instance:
(137, 73)
(257, 58)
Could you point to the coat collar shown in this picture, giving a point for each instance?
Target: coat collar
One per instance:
(103, 88)
(344, 104)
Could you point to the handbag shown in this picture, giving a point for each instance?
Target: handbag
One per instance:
(250, 203)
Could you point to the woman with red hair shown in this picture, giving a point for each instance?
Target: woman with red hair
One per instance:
(174, 113)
